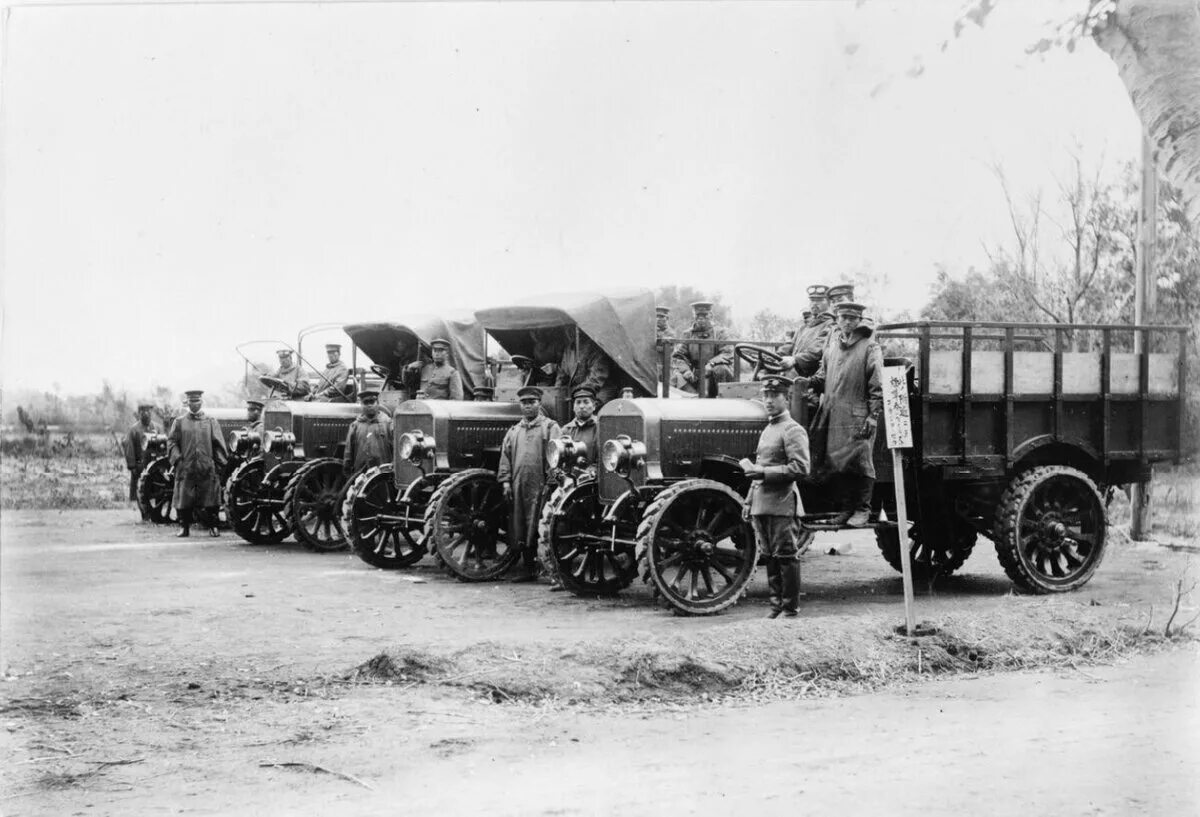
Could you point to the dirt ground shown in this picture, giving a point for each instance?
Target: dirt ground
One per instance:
(144, 675)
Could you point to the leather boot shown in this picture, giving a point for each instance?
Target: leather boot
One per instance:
(775, 587)
(184, 532)
(790, 575)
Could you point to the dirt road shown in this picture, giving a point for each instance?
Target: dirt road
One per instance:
(143, 675)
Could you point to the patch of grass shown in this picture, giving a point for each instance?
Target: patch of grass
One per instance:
(63, 481)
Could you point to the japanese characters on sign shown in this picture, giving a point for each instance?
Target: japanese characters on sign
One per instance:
(895, 407)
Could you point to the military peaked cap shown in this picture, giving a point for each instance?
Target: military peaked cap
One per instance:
(283, 352)
(850, 308)
(145, 406)
(583, 391)
(529, 392)
(818, 291)
(194, 393)
(702, 307)
(662, 310)
(841, 290)
(484, 393)
(368, 394)
(775, 383)
(254, 404)
(436, 342)
(333, 347)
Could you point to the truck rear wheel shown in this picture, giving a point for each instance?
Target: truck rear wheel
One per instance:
(314, 500)
(249, 507)
(1051, 529)
(156, 491)
(574, 550)
(377, 522)
(700, 553)
(467, 522)
(931, 556)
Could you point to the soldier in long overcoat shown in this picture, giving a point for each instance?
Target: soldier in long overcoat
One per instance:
(197, 451)
(843, 431)
(522, 473)
(369, 438)
(773, 504)
(135, 448)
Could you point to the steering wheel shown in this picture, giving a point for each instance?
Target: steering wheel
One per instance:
(763, 359)
(276, 385)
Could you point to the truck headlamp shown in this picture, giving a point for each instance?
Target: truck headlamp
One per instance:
(414, 446)
(562, 452)
(622, 454)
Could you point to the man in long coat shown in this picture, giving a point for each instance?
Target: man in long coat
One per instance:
(843, 431)
(197, 451)
(773, 504)
(369, 439)
(135, 448)
(685, 359)
(522, 474)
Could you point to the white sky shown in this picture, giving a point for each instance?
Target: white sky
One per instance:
(181, 178)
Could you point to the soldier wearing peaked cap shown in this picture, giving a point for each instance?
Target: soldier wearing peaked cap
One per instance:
(369, 439)
(661, 316)
(135, 448)
(197, 452)
(484, 394)
(685, 359)
(809, 342)
(254, 410)
(289, 373)
(522, 473)
(773, 505)
(582, 428)
(334, 378)
(438, 379)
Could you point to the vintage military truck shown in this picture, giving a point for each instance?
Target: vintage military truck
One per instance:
(1017, 444)
(156, 484)
(383, 509)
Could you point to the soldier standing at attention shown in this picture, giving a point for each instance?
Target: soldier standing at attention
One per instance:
(135, 448)
(198, 454)
(522, 474)
(369, 439)
(289, 373)
(773, 504)
(440, 380)
(335, 376)
(809, 342)
(844, 427)
(718, 369)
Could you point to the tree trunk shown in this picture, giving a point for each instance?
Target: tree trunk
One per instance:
(1156, 46)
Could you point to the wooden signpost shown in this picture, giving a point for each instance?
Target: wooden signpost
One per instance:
(898, 423)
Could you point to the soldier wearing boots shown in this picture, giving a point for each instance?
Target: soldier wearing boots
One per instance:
(773, 505)
(197, 451)
(522, 474)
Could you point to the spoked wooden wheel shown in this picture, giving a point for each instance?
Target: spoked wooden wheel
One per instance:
(700, 553)
(575, 550)
(467, 522)
(155, 491)
(254, 510)
(930, 555)
(314, 500)
(1051, 529)
(384, 530)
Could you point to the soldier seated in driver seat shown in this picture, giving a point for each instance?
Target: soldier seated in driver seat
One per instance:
(289, 373)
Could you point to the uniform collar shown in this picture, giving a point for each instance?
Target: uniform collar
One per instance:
(583, 423)
(782, 416)
(531, 423)
(199, 415)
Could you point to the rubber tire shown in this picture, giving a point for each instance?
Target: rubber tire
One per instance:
(291, 499)
(923, 570)
(357, 532)
(433, 513)
(551, 513)
(148, 481)
(253, 535)
(652, 519)
(1008, 540)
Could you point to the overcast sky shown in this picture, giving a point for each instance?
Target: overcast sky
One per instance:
(182, 178)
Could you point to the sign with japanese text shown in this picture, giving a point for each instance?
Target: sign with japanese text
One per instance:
(895, 407)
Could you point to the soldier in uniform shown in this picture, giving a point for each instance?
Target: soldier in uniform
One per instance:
(773, 504)
(844, 427)
(369, 439)
(289, 373)
(661, 315)
(197, 451)
(335, 376)
(686, 356)
(809, 342)
(254, 410)
(484, 394)
(583, 429)
(438, 379)
(522, 474)
(135, 447)
(589, 367)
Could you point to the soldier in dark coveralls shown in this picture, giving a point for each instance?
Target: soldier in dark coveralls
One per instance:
(843, 430)
(773, 504)
(522, 474)
(197, 451)
(369, 439)
(135, 447)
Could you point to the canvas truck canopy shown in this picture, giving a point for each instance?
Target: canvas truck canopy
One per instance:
(619, 321)
(395, 344)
